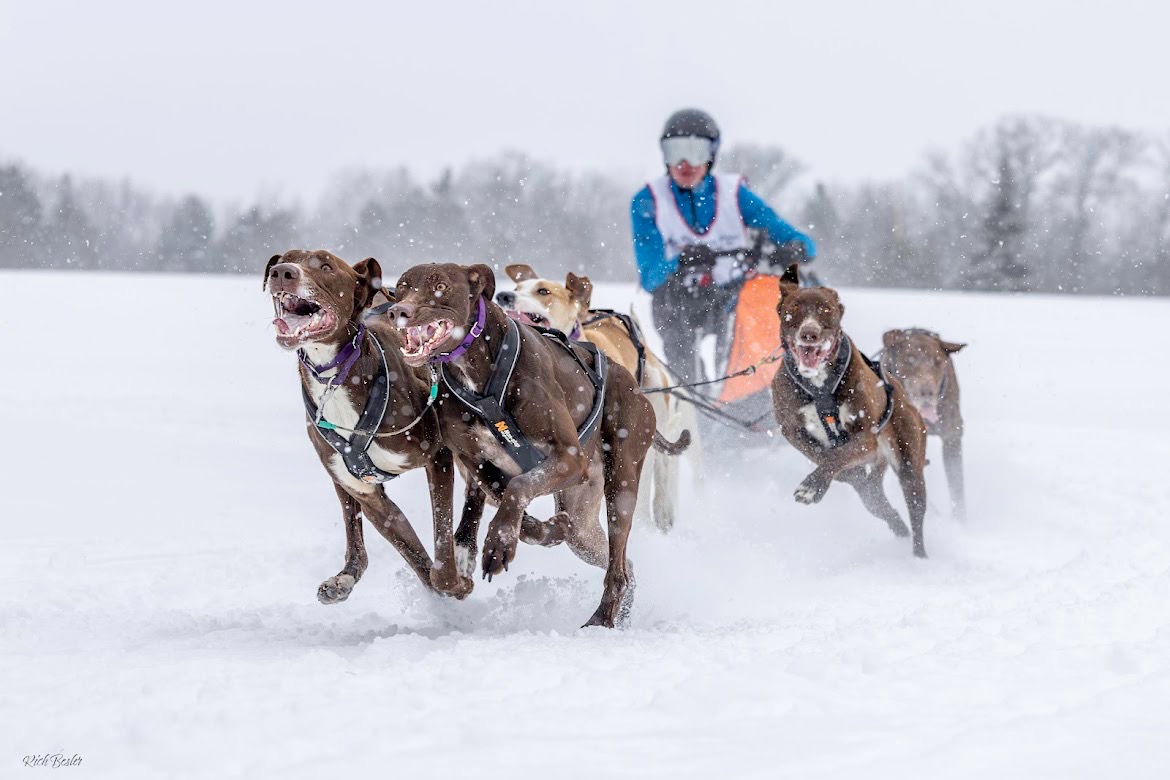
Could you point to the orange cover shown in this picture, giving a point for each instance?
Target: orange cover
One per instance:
(757, 335)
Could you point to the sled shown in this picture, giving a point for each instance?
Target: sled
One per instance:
(755, 336)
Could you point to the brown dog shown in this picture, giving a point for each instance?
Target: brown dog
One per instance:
(532, 448)
(834, 408)
(368, 415)
(565, 307)
(922, 362)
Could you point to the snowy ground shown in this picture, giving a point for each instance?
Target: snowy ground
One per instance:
(164, 526)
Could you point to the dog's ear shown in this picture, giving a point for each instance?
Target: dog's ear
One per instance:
(580, 288)
(891, 338)
(518, 272)
(271, 262)
(369, 282)
(951, 347)
(786, 289)
(791, 275)
(482, 280)
(837, 299)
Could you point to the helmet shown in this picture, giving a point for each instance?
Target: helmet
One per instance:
(692, 122)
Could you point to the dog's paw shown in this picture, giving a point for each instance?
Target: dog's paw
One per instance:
(465, 559)
(499, 550)
(449, 582)
(811, 491)
(336, 589)
(548, 533)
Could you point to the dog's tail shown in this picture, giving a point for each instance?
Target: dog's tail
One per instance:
(664, 445)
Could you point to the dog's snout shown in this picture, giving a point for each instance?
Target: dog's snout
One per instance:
(284, 278)
(401, 311)
(809, 335)
(506, 298)
(285, 272)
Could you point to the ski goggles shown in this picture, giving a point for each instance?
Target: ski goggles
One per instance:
(690, 148)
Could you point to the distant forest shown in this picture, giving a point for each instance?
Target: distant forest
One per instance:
(1029, 204)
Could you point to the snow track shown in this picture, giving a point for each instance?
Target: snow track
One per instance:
(165, 526)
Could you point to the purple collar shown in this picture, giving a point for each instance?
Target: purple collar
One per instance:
(472, 334)
(575, 334)
(346, 358)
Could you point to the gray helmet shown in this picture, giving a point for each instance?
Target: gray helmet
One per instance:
(692, 122)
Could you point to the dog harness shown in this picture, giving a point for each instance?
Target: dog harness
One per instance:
(354, 452)
(490, 406)
(825, 397)
(631, 328)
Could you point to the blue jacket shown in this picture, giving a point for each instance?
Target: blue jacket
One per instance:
(698, 208)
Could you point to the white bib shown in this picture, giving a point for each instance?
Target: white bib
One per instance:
(726, 233)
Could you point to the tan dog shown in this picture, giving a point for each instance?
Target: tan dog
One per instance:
(833, 408)
(921, 361)
(565, 307)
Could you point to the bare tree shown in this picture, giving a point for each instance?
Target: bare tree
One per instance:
(1094, 163)
(769, 168)
(1013, 159)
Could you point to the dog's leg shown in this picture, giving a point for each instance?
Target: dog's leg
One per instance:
(581, 507)
(575, 523)
(873, 495)
(388, 519)
(621, 474)
(446, 576)
(337, 588)
(646, 508)
(953, 461)
(914, 489)
(664, 469)
(558, 471)
(547, 533)
(855, 452)
(467, 534)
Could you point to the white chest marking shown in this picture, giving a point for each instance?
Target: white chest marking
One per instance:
(812, 424)
(338, 409)
(464, 377)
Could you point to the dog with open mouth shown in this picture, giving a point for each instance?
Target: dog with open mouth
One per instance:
(840, 411)
(369, 414)
(921, 361)
(555, 431)
(565, 307)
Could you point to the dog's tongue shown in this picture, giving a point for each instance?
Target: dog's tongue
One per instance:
(519, 316)
(929, 413)
(809, 357)
(281, 326)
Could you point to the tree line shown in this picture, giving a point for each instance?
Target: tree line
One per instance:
(1027, 204)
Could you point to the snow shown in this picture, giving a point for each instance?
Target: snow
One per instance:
(165, 525)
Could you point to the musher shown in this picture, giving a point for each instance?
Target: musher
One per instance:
(690, 233)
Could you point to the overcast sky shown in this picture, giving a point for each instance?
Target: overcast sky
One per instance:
(236, 99)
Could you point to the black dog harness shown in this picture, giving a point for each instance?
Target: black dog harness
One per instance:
(354, 452)
(825, 396)
(490, 407)
(631, 328)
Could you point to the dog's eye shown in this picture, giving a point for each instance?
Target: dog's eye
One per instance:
(326, 267)
(544, 291)
(440, 287)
